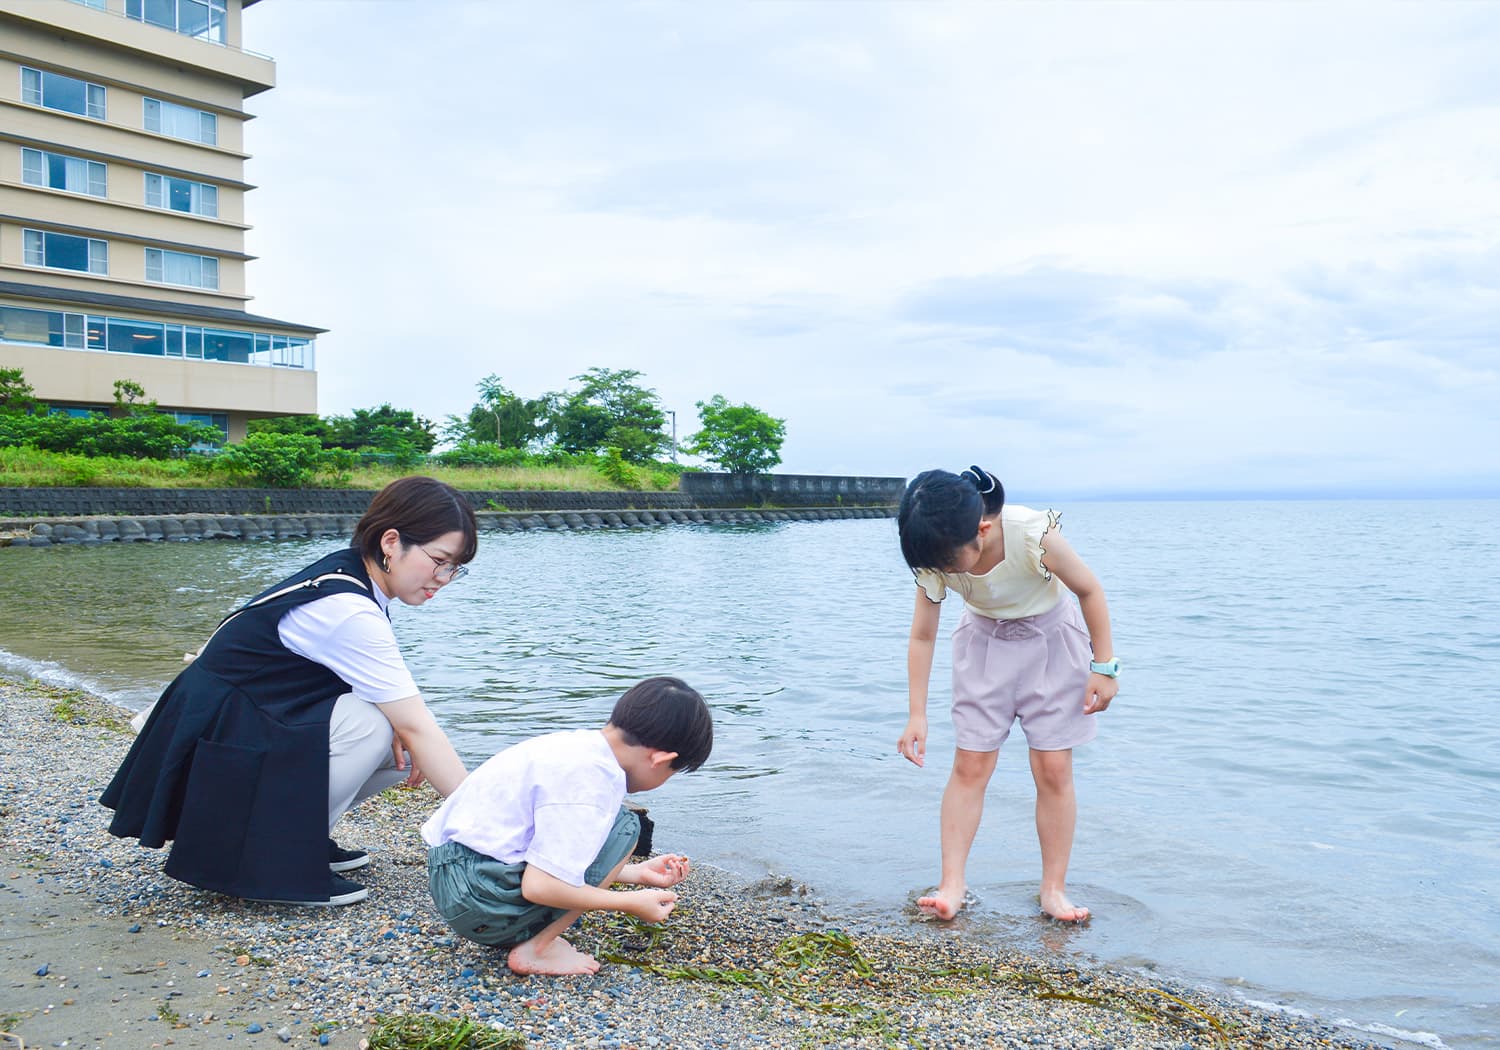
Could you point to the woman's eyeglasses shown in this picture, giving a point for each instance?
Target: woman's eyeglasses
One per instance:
(444, 571)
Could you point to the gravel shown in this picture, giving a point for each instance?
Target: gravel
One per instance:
(738, 965)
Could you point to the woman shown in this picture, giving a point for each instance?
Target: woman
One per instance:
(298, 697)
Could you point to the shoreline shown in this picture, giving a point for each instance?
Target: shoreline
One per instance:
(135, 959)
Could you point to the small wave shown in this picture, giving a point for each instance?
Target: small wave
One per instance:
(49, 673)
(1431, 1039)
(1278, 1008)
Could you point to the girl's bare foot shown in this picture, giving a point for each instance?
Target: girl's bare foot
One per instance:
(1055, 905)
(558, 957)
(942, 904)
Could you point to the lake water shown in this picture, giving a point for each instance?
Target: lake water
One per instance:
(1295, 795)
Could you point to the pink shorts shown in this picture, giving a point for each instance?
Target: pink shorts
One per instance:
(1035, 669)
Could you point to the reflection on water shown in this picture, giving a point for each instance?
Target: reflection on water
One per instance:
(1295, 725)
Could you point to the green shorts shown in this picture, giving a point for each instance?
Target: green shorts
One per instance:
(481, 896)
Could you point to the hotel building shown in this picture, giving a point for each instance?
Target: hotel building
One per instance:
(122, 212)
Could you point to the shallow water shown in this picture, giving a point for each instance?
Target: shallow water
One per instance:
(1294, 796)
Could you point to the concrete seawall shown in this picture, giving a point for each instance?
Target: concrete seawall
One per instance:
(93, 531)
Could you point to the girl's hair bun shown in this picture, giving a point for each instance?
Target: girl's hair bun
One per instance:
(983, 480)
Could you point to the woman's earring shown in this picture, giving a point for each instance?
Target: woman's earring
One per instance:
(385, 563)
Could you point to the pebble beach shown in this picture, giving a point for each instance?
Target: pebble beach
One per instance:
(102, 950)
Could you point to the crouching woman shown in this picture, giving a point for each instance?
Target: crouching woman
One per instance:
(299, 706)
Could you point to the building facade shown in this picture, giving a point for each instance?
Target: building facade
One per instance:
(122, 212)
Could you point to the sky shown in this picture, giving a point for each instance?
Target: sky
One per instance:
(1102, 249)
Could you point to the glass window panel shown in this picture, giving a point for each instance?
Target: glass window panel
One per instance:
(153, 264)
(226, 346)
(73, 331)
(210, 277)
(192, 18)
(19, 325)
(193, 338)
(33, 167)
(180, 195)
(209, 131)
(98, 257)
(210, 198)
(135, 337)
(64, 93)
(174, 340)
(32, 252)
(161, 13)
(96, 333)
(31, 86)
(133, 8)
(96, 102)
(154, 191)
(216, 24)
(153, 115)
(98, 176)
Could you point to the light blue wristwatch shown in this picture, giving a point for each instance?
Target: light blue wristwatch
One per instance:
(1109, 668)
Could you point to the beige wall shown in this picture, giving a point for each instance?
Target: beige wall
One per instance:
(244, 391)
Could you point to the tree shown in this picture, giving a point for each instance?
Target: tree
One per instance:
(16, 395)
(500, 416)
(398, 431)
(610, 410)
(739, 438)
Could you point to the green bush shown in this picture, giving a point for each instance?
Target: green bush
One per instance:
(285, 461)
(144, 435)
(613, 466)
(484, 454)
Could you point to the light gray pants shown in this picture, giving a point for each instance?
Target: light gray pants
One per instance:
(360, 763)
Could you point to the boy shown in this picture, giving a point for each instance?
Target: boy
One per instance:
(533, 837)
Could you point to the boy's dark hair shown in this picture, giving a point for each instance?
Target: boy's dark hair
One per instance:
(666, 714)
(940, 513)
(421, 509)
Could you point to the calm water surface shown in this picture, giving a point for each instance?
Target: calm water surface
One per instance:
(1295, 795)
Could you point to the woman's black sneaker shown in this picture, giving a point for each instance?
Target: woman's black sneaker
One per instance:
(340, 859)
(340, 891)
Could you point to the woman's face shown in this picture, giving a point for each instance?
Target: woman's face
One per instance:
(421, 570)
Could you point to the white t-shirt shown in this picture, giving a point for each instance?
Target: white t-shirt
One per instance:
(549, 801)
(354, 640)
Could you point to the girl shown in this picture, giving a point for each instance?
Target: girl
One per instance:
(1020, 652)
(298, 707)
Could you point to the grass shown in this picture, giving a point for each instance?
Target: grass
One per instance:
(30, 468)
(75, 707)
(432, 1032)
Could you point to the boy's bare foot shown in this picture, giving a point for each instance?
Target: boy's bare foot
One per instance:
(941, 904)
(1055, 905)
(558, 957)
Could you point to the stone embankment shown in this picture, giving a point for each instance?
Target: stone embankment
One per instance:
(92, 531)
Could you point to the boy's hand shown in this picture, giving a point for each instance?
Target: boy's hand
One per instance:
(1101, 690)
(666, 870)
(651, 905)
(913, 742)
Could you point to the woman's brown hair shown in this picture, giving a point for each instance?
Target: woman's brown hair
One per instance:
(421, 509)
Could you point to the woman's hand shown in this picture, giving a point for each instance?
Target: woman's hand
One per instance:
(403, 758)
(913, 742)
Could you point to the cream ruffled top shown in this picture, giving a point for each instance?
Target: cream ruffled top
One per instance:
(1020, 585)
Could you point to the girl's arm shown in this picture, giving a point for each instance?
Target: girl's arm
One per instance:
(924, 626)
(1063, 562)
(431, 752)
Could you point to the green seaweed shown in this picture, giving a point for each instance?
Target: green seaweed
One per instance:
(433, 1032)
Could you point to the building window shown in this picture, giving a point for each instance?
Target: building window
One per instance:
(60, 172)
(78, 411)
(195, 198)
(61, 251)
(97, 5)
(134, 336)
(55, 91)
(190, 271)
(181, 122)
(201, 19)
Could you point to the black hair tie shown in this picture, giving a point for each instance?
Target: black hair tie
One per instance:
(983, 480)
